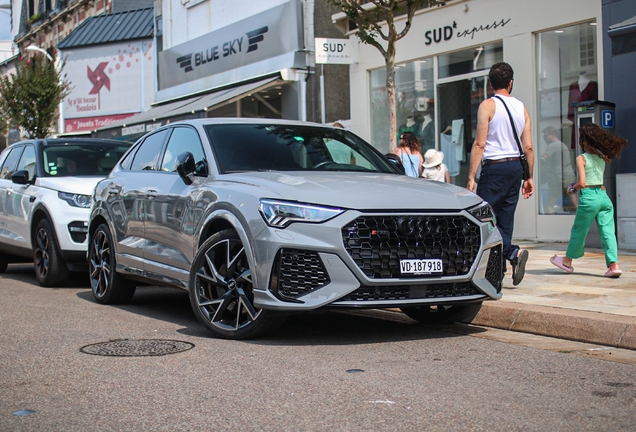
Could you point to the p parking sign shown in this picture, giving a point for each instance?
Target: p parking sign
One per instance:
(607, 119)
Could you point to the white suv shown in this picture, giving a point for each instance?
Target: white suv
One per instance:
(45, 197)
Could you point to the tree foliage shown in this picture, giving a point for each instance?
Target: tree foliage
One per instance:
(376, 26)
(30, 97)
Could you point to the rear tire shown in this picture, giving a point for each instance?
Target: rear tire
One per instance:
(443, 314)
(50, 268)
(221, 291)
(109, 287)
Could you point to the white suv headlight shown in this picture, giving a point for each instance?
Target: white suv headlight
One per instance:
(76, 200)
(282, 213)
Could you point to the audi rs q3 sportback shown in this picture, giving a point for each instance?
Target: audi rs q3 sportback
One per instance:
(45, 198)
(258, 218)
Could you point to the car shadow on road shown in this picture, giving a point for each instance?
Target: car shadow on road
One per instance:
(323, 327)
(25, 273)
(351, 327)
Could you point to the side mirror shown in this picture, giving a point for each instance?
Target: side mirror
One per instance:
(396, 161)
(186, 167)
(20, 177)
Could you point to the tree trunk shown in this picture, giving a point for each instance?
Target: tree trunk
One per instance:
(390, 88)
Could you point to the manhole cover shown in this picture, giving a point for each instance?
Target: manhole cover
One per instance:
(137, 348)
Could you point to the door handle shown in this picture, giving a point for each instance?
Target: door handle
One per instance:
(151, 193)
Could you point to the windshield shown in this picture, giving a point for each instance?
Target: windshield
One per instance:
(81, 159)
(267, 147)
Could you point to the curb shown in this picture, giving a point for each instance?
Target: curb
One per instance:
(591, 327)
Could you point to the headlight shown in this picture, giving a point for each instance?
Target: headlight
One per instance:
(76, 200)
(484, 213)
(281, 213)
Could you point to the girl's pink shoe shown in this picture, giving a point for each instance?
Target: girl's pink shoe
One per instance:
(613, 271)
(558, 261)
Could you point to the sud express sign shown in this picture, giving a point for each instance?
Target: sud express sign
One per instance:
(446, 33)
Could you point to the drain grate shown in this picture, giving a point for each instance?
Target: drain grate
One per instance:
(137, 347)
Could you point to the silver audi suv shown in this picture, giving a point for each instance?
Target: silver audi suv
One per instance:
(259, 218)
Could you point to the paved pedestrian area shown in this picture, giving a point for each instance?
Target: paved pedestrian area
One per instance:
(583, 305)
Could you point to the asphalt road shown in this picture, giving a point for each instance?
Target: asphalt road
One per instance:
(321, 371)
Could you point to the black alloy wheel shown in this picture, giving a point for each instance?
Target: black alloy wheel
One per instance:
(50, 268)
(221, 290)
(108, 286)
(443, 314)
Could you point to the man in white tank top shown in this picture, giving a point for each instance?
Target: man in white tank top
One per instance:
(496, 150)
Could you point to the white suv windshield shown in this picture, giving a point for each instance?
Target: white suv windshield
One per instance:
(81, 159)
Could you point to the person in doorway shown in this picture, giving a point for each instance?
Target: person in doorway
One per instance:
(410, 152)
(599, 147)
(434, 167)
(557, 170)
(495, 149)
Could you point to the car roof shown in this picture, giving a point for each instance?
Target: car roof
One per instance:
(76, 141)
(244, 120)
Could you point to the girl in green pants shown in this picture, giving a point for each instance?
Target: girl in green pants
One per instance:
(599, 147)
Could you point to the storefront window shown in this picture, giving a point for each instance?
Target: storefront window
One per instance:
(442, 114)
(566, 74)
(414, 92)
(470, 60)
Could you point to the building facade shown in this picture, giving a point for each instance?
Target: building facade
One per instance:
(239, 59)
(556, 50)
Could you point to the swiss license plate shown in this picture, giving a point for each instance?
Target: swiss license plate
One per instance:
(421, 266)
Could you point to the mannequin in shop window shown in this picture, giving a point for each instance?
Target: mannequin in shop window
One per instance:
(426, 130)
(409, 126)
(584, 89)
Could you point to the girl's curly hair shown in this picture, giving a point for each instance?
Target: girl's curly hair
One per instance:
(410, 141)
(601, 142)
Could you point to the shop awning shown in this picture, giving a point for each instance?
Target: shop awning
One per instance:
(625, 27)
(193, 104)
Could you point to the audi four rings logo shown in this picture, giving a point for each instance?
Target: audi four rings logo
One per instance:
(417, 226)
(227, 49)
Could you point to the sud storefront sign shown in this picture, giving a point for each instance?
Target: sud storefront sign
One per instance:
(448, 32)
(336, 51)
(261, 44)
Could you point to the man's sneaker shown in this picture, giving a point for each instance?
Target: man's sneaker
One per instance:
(519, 267)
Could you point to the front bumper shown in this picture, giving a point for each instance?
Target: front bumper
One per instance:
(308, 266)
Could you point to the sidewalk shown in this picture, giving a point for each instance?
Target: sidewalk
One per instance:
(582, 306)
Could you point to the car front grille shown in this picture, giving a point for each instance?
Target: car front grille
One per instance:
(378, 243)
(407, 292)
(296, 273)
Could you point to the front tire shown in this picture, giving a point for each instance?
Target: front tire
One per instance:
(443, 314)
(50, 268)
(4, 262)
(221, 290)
(109, 287)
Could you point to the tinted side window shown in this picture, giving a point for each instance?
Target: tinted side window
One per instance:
(148, 153)
(27, 161)
(8, 167)
(184, 140)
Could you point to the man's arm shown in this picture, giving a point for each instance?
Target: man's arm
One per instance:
(484, 115)
(526, 142)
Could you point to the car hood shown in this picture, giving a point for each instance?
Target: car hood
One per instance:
(362, 191)
(76, 185)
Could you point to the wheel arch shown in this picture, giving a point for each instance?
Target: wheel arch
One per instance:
(224, 218)
(38, 214)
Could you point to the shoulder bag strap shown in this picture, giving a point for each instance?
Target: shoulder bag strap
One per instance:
(514, 129)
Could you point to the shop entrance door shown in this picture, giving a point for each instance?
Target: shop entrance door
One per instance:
(459, 101)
